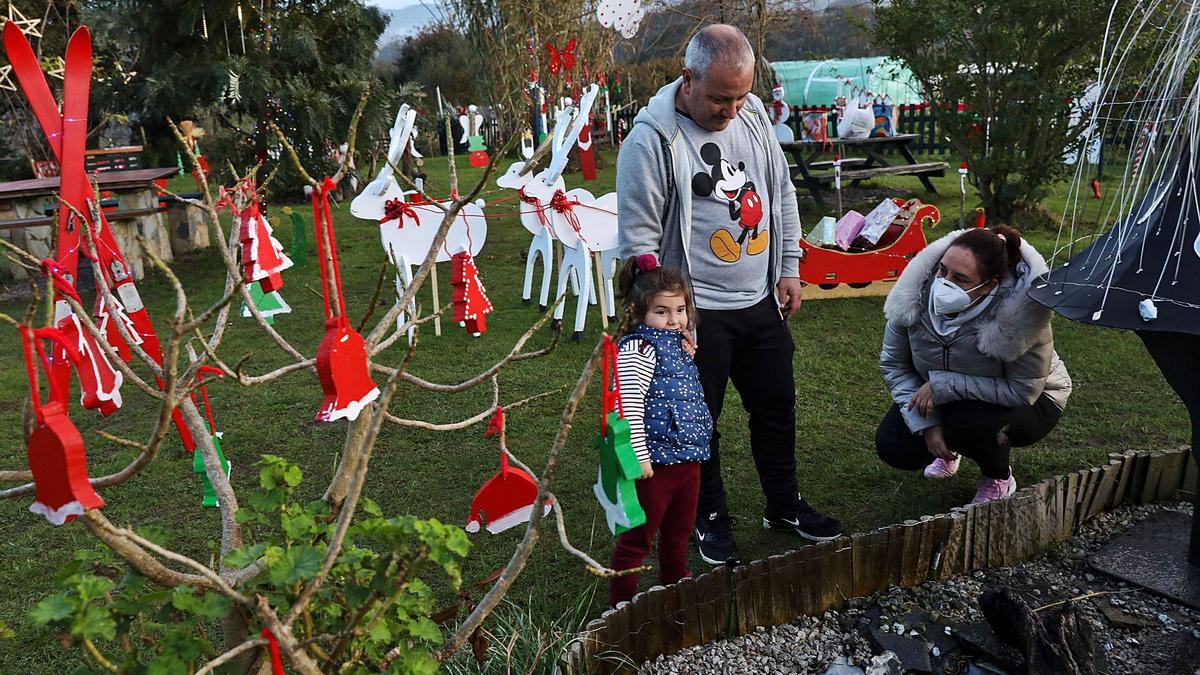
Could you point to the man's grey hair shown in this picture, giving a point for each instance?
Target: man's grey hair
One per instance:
(719, 43)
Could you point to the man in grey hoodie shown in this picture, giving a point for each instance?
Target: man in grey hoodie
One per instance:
(703, 184)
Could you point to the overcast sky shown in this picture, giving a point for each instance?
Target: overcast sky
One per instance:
(393, 4)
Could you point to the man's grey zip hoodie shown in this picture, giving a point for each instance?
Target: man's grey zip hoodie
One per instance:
(654, 198)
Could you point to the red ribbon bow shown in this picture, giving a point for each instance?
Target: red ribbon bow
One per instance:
(536, 204)
(566, 207)
(397, 209)
(563, 59)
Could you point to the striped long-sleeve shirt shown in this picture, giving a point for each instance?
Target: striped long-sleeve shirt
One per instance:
(636, 361)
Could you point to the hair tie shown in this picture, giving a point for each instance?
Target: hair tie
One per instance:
(1001, 237)
(646, 262)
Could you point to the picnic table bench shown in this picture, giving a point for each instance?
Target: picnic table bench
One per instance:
(817, 176)
(28, 217)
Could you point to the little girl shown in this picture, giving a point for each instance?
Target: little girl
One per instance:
(669, 423)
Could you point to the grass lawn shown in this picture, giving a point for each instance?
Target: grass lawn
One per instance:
(1120, 402)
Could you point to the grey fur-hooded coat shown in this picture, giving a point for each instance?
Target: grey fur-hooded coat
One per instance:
(1003, 356)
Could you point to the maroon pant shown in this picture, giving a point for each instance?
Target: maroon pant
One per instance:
(669, 500)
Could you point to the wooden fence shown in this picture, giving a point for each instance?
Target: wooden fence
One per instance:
(728, 602)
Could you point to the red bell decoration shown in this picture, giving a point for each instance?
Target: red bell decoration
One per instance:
(342, 354)
(55, 448)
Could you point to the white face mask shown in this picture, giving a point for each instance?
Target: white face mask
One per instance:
(948, 298)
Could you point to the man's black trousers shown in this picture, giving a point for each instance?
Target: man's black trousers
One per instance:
(753, 348)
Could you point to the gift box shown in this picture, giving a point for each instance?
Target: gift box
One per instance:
(878, 220)
(848, 229)
(824, 233)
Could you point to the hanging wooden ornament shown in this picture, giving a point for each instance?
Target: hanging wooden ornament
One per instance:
(299, 248)
(342, 355)
(55, 448)
(470, 300)
(507, 498)
(263, 258)
(619, 467)
(268, 304)
(209, 499)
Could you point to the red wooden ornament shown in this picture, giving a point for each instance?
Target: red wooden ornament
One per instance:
(470, 300)
(561, 59)
(587, 155)
(99, 382)
(342, 355)
(55, 448)
(507, 498)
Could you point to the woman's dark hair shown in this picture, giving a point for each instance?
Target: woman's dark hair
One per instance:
(997, 250)
(637, 287)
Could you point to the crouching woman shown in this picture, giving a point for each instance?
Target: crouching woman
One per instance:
(969, 359)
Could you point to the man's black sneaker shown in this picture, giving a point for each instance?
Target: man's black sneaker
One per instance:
(714, 539)
(805, 521)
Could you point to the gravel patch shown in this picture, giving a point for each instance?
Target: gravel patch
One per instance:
(1135, 632)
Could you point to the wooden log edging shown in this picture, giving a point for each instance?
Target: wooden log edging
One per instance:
(729, 602)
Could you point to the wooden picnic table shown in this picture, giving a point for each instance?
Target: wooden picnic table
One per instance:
(28, 216)
(817, 176)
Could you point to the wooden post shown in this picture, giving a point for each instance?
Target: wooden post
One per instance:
(1124, 480)
(1108, 485)
(1137, 479)
(1090, 480)
(1154, 471)
(839, 582)
(690, 634)
(1067, 524)
(1172, 475)
(951, 560)
(649, 622)
(861, 562)
(601, 297)
(437, 304)
(1189, 478)
(781, 583)
(912, 535)
(980, 526)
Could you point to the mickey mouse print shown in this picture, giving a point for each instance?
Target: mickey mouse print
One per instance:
(730, 184)
(729, 236)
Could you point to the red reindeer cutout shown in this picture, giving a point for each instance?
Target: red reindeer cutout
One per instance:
(55, 448)
(342, 354)
(66, 134)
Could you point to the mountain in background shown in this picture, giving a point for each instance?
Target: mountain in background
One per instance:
(406, 21)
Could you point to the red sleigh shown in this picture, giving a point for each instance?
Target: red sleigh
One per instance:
(904, 239)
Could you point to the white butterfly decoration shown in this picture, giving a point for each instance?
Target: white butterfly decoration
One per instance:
(624, 16)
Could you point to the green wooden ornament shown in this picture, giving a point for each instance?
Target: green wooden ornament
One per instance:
(210, 496)
(619, 468)
(269, 304)
(299, 252)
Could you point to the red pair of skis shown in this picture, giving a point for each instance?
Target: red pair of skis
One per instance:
(66, 133)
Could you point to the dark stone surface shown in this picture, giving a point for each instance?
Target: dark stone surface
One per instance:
(913, 653)
(1171, 654)
(979, 638)
(1153, 555)
(1117, 618)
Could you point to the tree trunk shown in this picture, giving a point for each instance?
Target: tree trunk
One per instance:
(1058, 641)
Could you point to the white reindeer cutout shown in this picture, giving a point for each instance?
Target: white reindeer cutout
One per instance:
(407, 229)
(585, 224)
